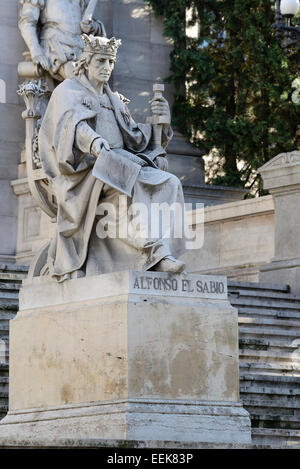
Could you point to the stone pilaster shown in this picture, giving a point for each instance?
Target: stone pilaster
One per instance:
(281, 176)
(11, 125)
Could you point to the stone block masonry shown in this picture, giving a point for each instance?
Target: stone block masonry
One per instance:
(129, 355)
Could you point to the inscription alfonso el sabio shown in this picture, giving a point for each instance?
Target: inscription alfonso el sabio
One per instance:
(181, 285)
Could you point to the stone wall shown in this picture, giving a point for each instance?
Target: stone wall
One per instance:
(238, 239)
(11, 124)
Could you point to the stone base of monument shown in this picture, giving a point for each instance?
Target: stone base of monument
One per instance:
(128, 355)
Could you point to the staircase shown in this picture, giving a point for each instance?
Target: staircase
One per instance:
(10, 279)
(269, 337)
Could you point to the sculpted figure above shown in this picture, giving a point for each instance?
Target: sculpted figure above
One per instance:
(95, 155)
(52, 32)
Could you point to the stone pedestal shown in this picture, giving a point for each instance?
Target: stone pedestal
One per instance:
(129, 355)
(281, 176)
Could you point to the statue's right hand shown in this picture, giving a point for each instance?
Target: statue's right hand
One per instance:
(42, 61)
(162, 163)
(97, 146)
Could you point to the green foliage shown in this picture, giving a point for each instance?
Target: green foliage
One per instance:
(232, 83)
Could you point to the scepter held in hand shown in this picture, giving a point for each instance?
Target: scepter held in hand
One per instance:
(160, 114)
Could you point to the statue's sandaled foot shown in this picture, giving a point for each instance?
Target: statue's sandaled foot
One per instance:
(169, 264)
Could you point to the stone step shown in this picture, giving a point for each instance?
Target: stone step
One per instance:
(274, 332)
(13, 268)
(280, 369)
(267, 304)
(272, 323)
(263, 296)
(4, 347)
(274, 421)
(7, 315)
(284, 416)
(245, 311)
(7, 305)
(268, 357)
(4, 286)
(3, 369)
(289, 381)
(3, 410)
(13, 277)
(256, 331)
(284, 438)
(269, 384)
(9, 295)
(267, 392)
(3, 398)
(4, 384)
(274, 345)
(271, 405)
(4, 329)
(269, 338)
(232, 284)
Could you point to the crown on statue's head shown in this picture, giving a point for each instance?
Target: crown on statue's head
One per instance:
(101, 45)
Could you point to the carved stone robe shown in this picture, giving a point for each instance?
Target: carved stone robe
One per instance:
(76, 116)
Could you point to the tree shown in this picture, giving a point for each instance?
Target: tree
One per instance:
(237, 95)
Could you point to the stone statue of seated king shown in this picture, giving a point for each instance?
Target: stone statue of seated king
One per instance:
(103, 166)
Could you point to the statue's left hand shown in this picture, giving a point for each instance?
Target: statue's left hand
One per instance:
(160, 107)
(97, 146)
(87, 27)
(41, 60)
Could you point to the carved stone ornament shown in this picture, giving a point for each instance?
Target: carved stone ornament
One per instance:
(32, 91)
(283, 159)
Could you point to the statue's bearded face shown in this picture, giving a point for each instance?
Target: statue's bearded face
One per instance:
(100, 68)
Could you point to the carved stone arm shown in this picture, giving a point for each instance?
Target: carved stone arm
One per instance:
(94, 27)
(98, 28)
(85, 137)
(29, 16)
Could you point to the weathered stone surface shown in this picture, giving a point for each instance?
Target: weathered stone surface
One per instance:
(176, 421)
(71, 443)
(162, 357)
(238, 239)
(154, 338)
(40, 292)
(8, 309)
(269, 339)
(281, 177)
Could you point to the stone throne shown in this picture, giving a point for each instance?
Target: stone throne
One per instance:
(36, 91)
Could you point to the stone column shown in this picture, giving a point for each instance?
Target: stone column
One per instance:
(281, 176)
(11, 125)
